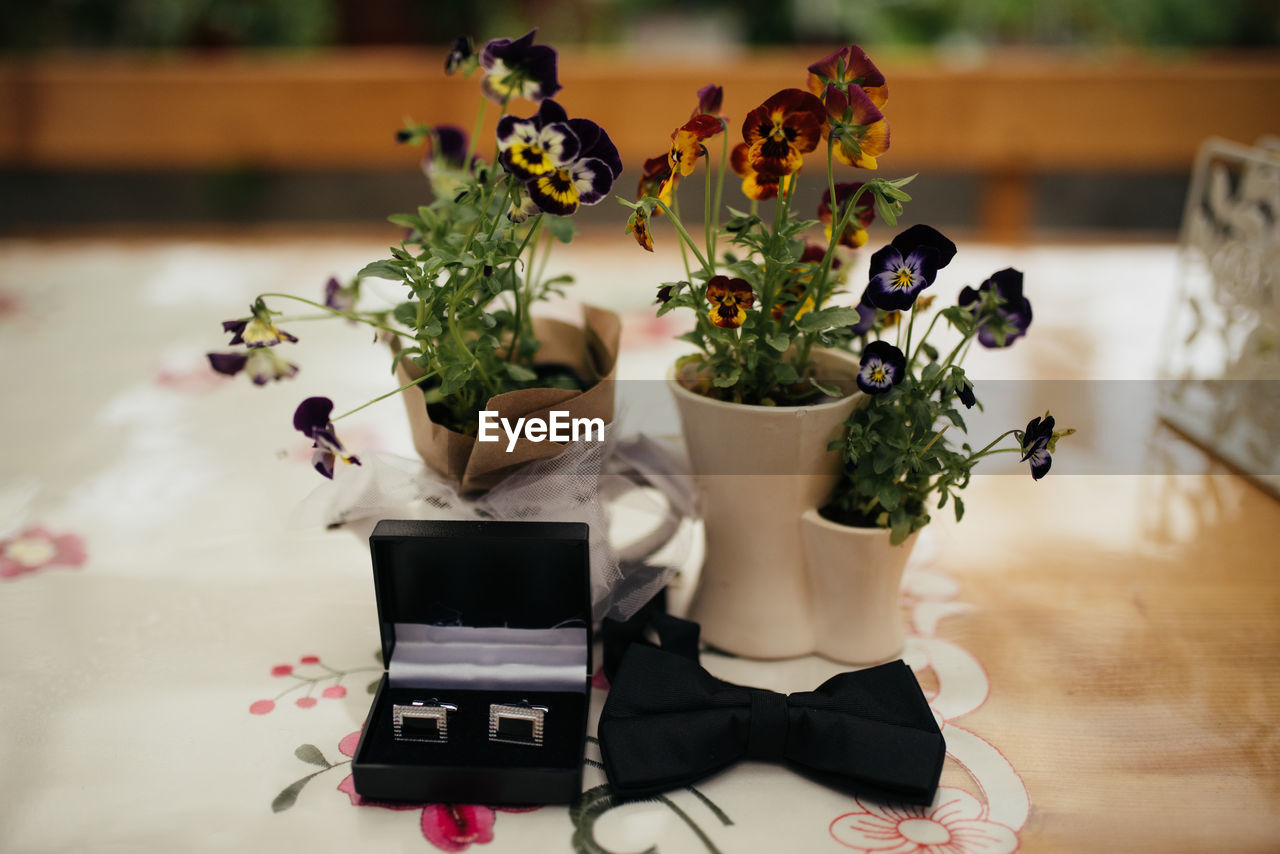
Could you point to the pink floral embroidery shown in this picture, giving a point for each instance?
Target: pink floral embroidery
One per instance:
(309, 681)
(449, 827)
(35, 549)
(956, 824)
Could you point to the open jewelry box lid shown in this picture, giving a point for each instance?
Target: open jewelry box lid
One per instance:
(458, 597)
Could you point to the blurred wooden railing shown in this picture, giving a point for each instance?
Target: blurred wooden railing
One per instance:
(1007, 121)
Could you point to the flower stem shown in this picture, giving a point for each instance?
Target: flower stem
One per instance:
(724, 159)
(407, 385)
(475, 132)
(335, 312)
(684, 235)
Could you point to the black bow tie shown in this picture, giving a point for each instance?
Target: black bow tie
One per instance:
(668, 723)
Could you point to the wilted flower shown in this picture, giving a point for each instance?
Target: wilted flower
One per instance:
(882, 367)
(341, 298)
(730, 299)
(782, 130)
(1035, 445)
(519, 68)
(966, 396)
(855, 228)
(638, 227)
(1012, 310)
(755, 185)
(656, 179)
(666, 292)
(522, 207)
(860, 129)
(462, 56)
(261, 364)
(311, 418)
(907, 266)
(849, 68)
(257, 330)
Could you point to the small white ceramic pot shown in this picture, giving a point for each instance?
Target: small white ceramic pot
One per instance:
(855, 577)
(758, 468)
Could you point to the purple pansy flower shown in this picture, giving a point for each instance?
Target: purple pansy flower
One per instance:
(341, 298)
(882, 367)
(261, 364)
(1012, 312)
(312, 419)
(908, 265)
(1035, 445)
(564, 162)
(966, 396)
(519, 69)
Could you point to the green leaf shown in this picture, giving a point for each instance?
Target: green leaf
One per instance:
(959, 509)
(560, 226)
(520, 373)
(728, 379)
(828, 390)
(381, 270)
(311, 753)
(779, 341)
(887, 495)
(407, 221)
(785, 374)
(407, 313)
(289, 796)
(828, 318)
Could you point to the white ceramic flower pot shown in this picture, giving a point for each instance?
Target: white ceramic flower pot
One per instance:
(758, 469)
(855, 576)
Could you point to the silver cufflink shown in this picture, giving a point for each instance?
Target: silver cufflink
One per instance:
(421, 721)
(518, 724)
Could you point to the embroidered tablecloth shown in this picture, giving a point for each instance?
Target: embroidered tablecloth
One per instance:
(184, 666)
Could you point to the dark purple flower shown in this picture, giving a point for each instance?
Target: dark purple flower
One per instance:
(519, 69)
(1012, 311)
(453, 144)
(882, 367)
(1035, 445)
(908, 265)
(866, 319)
(262, 365)
(965, 393)
(710, 97)
(461, 52)
(312, 420)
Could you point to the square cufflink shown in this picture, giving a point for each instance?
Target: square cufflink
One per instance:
(522, 724)
(421, 721)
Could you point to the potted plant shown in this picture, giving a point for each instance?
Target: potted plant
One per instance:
(902, 455)
(772, 379)
(463, 338)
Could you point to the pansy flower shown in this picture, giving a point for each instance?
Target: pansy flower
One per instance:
(1012, 313)
(782, 130)
(866, 319)
(522, 207)
(1035, 445)
(882, 366)
(860, 129)
(257, 330)
(966, 395)
(730, 299)
(261, 364)
(687, 142)
(854, 234)
(519, 69)
(666, 292)
(849, 68)
(654, 179)
(462, 56)
(908, 265)
(341, 298)
(311, 418)
(755, 185)
(563, 162)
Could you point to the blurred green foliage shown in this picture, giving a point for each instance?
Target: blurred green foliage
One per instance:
(56, 24)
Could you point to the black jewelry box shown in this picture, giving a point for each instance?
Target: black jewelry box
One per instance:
(486, 627)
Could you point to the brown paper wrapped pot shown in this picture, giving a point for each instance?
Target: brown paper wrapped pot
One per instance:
(591, 350)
